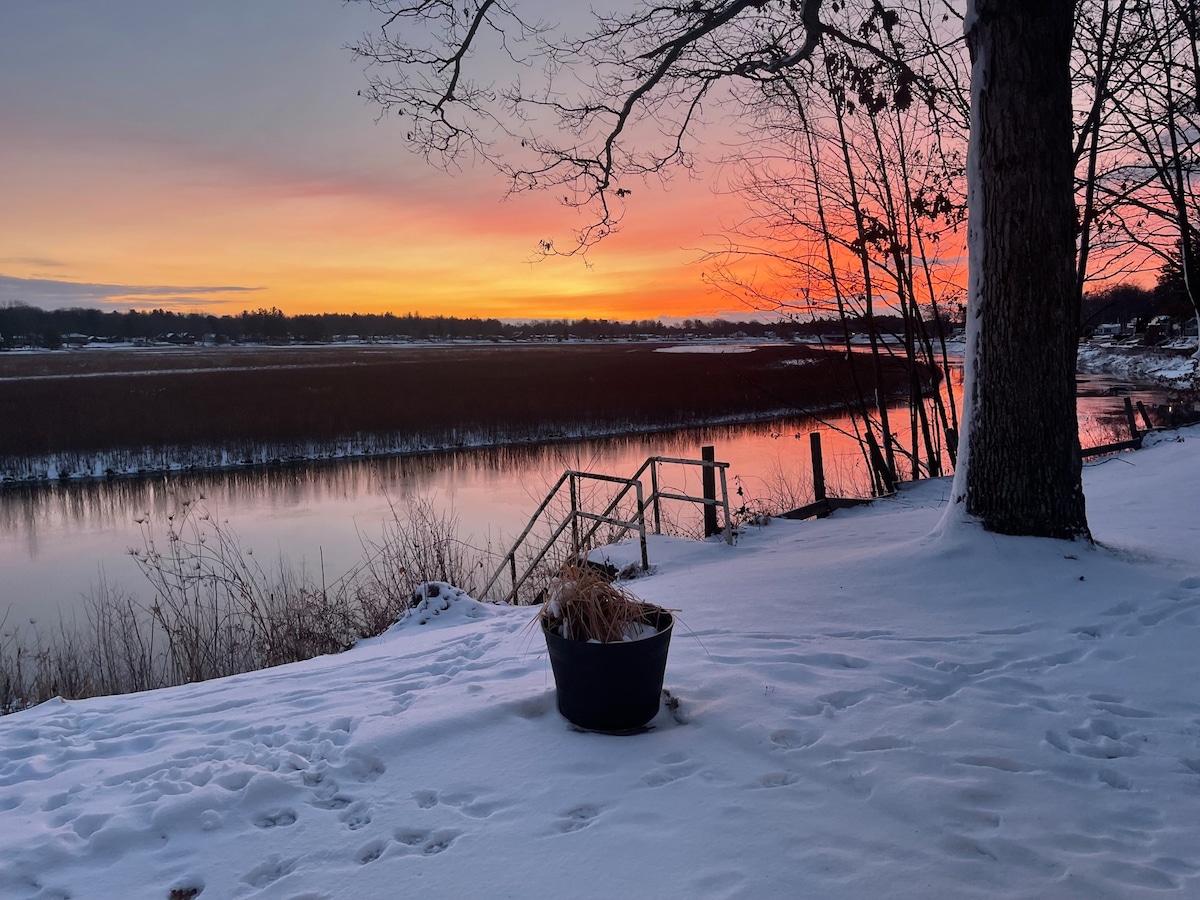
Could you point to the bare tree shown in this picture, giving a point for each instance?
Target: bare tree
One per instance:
(1139, 143)
(627, 99)
(854, 202)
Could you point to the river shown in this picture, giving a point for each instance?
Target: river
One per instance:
(57, 541)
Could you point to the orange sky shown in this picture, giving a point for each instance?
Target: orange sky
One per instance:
(434, 244)
(149, 160)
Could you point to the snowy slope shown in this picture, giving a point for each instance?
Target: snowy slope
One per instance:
(864, 711)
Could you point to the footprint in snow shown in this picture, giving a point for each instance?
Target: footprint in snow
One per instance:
(467, 803)
(279, 818)
(370, 851)
(777, 779)
(674, 766)
(366, 768)
(269, 871)
(428, 843)
(792, 739)
(576, 818)
(440, 841)
(355, 816)
(426, 799)
(1098, 738)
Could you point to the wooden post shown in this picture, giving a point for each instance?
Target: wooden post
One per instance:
(1133, 429)
(708, 480)
(818, 466)
(1145, 416)
(725, 504)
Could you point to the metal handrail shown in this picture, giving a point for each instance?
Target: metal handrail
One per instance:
(655, 494)
(572, 479)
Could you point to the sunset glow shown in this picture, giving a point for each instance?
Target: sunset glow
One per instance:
(217, 160)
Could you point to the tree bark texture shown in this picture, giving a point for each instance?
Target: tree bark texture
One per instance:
(1023, 472)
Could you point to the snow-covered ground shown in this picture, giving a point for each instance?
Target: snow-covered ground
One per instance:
(864, 710)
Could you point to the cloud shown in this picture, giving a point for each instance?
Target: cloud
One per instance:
(50, 294)
(38, 262)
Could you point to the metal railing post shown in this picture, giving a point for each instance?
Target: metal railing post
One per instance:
(654, 499)
(725, 502)
(642, 528)
(574, 515)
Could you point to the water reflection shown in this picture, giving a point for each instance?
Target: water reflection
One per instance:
(58, 539)
(32, 509)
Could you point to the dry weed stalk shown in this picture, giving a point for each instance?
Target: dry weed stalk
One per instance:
(583, 605)
(217, 610)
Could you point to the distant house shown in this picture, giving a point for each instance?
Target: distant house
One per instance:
(75, 339)
(1158, 330)
(1111, 329)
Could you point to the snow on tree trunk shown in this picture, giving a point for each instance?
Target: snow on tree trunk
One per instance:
(1019, 469)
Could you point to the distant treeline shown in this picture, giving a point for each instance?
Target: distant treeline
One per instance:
(29, 326)
(1130, 304)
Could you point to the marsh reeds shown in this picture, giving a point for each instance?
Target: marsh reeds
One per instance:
(263, 411)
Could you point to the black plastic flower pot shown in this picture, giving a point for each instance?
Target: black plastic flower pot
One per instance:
(612, 687)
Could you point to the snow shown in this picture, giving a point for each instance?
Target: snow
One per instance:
(1138, 363)
(710, 348)
(977, 299)
(863, 709)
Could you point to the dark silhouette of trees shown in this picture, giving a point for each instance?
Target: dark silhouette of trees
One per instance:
(22, 325)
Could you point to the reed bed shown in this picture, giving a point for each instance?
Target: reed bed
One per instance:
(389, 401)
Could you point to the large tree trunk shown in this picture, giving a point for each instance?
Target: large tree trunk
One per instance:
(1019, 463)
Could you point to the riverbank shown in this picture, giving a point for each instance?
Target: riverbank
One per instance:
(1145, 365)
(116, 413)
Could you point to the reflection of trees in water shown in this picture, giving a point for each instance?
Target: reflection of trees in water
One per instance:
(96, 504)
(116, 501)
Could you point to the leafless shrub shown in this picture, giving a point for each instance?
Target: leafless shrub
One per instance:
(216, 610)
(117, 649)
(418, 544)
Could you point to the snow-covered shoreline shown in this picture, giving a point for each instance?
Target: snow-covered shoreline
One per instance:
(138, 463)
(1140, 364)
